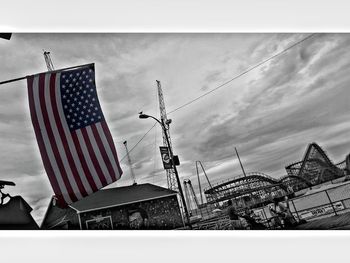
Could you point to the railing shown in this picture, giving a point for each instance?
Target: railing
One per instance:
(218, 223)
(334, 200)
(331, 201)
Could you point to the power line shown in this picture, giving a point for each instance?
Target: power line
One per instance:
(243, 73)
(138, 142)
(227, 82)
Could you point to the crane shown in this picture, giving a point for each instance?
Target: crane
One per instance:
(129, 163)
(171, 177)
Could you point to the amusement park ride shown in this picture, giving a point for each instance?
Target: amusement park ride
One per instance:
(257, 189)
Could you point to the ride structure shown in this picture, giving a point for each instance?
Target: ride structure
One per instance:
(253, 189)
(316, 167)
(199, 181)
(190, 195)
(257, 189)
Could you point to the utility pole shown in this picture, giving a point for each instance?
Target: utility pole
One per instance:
(165, 127)
(129, 163)
(48, 61)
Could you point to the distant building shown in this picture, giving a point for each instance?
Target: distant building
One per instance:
(15, 215)
(143, 206)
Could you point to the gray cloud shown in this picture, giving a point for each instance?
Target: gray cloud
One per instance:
(270, 114)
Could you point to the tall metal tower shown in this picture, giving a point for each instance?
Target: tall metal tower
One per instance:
(129, 163)
(48, 61)
(171, 177)
(199, 182)
(189, 191)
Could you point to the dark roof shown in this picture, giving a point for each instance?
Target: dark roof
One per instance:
(121, 195)
(57, 217)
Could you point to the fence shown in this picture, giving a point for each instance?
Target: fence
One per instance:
(323, 203)
(334, 200)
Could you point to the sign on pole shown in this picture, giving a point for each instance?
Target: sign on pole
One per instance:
(164, 152)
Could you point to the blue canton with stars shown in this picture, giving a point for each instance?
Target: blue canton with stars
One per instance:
(79, 98)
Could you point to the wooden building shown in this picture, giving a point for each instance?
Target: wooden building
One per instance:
(142, 206)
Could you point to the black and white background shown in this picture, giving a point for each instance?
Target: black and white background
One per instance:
(308, 76)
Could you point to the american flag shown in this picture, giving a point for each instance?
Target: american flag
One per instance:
(74, 140)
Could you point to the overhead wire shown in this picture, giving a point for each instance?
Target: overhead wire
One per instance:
(227, 82)
(242, 73)
(138, 141)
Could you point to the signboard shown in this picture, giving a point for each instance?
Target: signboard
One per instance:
(320, 211)
(164, 152)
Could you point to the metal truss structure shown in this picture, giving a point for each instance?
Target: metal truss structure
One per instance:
(190, 195)
(170, 173)
(315, 167)
(294, 183)
(257, 189)
(251, 190)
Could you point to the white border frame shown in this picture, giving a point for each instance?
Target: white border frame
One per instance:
(175, 16)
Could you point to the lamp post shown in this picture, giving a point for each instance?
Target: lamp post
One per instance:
(161, 122)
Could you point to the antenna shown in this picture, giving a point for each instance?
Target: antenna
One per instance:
(129, 163)
(48, 61)
(239, 159)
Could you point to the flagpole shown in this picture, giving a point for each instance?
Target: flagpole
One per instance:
(11, 80)
(53, 71)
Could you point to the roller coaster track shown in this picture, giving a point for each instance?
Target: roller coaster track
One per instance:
(285, 178)
(315, 168)
(347, 162)
(253, 175)
(315, 161)
(245, 185)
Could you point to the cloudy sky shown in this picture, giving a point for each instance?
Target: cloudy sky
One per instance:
(270, 114)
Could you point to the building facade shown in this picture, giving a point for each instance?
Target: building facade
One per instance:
(144, 206)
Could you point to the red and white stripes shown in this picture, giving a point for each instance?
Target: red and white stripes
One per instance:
(78, 162)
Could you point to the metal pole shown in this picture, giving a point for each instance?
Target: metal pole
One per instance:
(17, 79)
(129, 162)
(239, 159)
(176, 174)
(11, 80)
(295, 210)
(199, 183)
(267, 221)
(335, 212)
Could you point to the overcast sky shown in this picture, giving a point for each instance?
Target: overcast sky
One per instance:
(270, 114)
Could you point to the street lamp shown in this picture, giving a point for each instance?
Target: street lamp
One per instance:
(161, 122)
